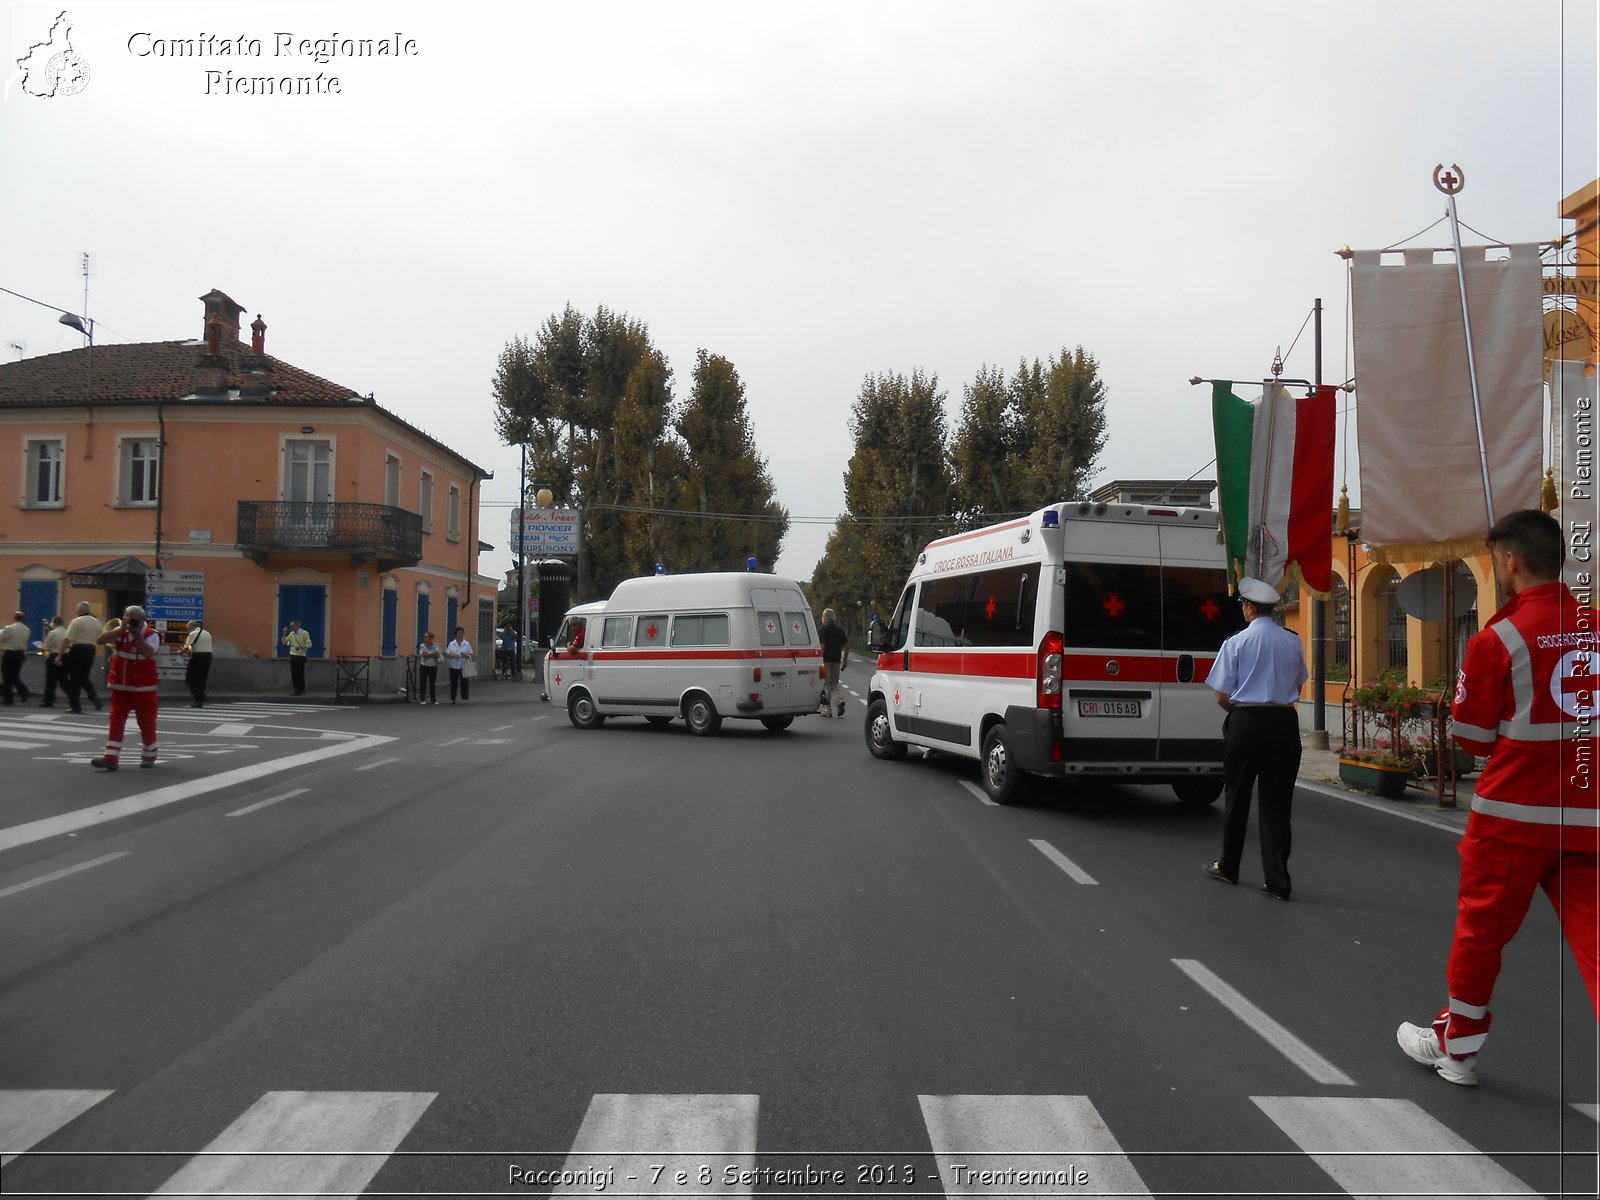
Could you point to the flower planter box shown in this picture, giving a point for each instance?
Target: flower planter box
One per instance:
(1385, 781)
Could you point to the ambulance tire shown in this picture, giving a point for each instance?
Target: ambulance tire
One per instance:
(880, 739)
(581, 711)
(1197, 793)
(777, 724)
(701, 715)
(997, 768)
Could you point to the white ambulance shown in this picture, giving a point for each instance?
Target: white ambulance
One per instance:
(701, 647)
(1074, 641)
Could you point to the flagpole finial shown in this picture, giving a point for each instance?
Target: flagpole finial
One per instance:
(1449, 182)
(1277, 362)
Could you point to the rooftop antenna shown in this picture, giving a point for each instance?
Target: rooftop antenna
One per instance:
(21, 348)
(86, 260)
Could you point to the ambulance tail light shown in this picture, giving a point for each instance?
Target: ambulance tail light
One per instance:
(1050, 671)
(758, 674)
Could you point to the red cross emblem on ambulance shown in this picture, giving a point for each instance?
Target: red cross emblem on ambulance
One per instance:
(652, 630)
(1210, 609)
(1114, 606)
(772, 626)
(558, 679)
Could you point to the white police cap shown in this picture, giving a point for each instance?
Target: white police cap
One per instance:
(1257, 592)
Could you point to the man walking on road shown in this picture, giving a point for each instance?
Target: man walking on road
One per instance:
(835, 657)
(1526, 698)
(133, 682)
(299, 643)
(1257, 678)
(13, 653)
(198, 648)
(79, 654)
(55, 675)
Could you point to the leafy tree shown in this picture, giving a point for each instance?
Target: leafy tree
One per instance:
(984, 455)
(724, 474)
(1059, 409)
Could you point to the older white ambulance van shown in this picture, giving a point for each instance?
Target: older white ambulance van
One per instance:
(1074, 641)
(701, 647)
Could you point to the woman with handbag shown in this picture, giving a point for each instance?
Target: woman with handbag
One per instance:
(458, 655)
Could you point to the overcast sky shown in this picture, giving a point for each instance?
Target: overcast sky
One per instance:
(814, 191)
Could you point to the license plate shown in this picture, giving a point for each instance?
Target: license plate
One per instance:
(1108, 708)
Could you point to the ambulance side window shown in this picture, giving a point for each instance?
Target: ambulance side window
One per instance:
(797, 627)
(617, 632)
(1001, 612)
(942, 611)
(894, 637)
(1113, 606)
(651, 631)
(708, 629)
(771, 626)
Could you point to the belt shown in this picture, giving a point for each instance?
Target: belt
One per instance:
(1257, 704)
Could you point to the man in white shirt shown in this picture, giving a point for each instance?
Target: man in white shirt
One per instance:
(456, 656)
(197, 648)
(55, 674)
(79, 653)
(1257, 677)
(13, 653)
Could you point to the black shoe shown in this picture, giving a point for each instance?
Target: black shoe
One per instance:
(96, 700)
(1264, 890)
(104, 764)
(79, 711)
(146, 763)
(1215, 871)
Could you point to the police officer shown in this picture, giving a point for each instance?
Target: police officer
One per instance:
(1257, 678)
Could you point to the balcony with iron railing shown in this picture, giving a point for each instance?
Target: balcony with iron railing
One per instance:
(365, 532)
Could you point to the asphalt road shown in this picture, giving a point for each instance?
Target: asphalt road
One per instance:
(431, 948)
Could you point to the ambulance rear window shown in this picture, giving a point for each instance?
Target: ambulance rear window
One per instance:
(771, 626)
(1198, 611)
(1113, 606)
(797, 628)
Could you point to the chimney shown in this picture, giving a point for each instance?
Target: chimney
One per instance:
(258, 336)
(213, 335)
(221, 308)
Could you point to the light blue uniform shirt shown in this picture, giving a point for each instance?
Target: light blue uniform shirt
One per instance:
(1261, 664)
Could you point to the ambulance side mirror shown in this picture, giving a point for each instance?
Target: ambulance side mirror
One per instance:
(875, 637)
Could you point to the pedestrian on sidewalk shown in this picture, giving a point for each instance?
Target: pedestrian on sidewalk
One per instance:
(428, 656)
(55, 674)
(132, 683)
(80, 650)
(1257, 676)
(13, 654)
(458, 656)
(299, 643)
(197, 647)
(1526, 698)
(835, 658)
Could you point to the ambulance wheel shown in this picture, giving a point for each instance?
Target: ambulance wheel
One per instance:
(581, 711)
(701, 715)
(777, 724)
(1001, 778)
(1197, 793)
(658, 722)
(880, 739)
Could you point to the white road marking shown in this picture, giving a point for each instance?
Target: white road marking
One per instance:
(231, 730)
(83, 818)
(28, 1117)
(501, 728)
(1355, 1141)
(531, 720)
(1592, 1111)
(1078, 874)
(994, 1145)
(382, 762)
(1390, 807)
(4, 745)
(83, 866)
(54, 735)
(1280, 1039)
(250, 808)
(453, 741)
(346, 1138)
(978, 792)
(678, 1133)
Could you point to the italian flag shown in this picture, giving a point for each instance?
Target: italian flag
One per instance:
(1275, 482)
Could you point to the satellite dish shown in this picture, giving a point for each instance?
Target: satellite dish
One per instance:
(1421, 594)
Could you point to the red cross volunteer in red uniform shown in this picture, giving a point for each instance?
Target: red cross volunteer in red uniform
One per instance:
(1526, 698)
(132, 683)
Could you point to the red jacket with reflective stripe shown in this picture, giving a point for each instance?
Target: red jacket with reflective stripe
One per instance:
(130, 672)
(1526, 698)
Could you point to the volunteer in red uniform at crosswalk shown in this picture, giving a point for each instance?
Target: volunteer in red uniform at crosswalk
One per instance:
(132, 683)
(1526, 698)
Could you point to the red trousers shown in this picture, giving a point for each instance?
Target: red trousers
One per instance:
(1497, 884)
(143, 705)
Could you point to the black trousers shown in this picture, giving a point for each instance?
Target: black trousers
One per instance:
(11, 674)
(428, 683)
(1260, 745)
(80, 676)
(297, 673)
(55, 676)
(196, 674)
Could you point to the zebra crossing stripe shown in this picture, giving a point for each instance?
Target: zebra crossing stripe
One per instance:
(5, 745)
(1280, 1039)
(1369, 1146)
(50, 735)
(28, 1117)
(1026, 1146)
(248, 1158)
(666, 1134)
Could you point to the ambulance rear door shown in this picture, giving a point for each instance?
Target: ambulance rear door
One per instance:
(1197, 614)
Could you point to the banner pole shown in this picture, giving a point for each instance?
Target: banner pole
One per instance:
(1450, 182)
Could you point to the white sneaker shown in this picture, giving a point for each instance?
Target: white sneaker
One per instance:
(1421, 1045)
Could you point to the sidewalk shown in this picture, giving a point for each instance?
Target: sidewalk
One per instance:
(1319, 770)
(485, 690)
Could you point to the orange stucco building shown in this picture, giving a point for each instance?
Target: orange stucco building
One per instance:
(260, 490)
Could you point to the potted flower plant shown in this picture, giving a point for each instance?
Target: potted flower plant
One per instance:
(1382, 769)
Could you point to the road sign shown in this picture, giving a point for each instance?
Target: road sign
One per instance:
(155, 581)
